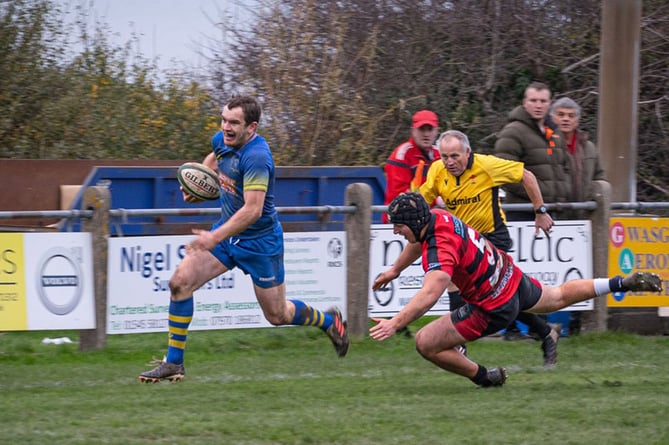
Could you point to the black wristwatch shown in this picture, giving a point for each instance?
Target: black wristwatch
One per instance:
(542, 210)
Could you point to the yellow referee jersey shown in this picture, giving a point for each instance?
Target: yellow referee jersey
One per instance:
(473, 196)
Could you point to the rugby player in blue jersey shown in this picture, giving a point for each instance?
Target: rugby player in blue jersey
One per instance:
(248, 236)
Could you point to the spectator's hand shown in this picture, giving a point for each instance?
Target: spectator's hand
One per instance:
(383, 279)
(384, 328)
(543, 222)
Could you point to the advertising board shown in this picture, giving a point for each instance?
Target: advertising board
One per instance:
(139, 270)
(46, 281)
(565, 255)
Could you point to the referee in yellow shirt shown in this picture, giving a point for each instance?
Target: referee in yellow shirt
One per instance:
(469, 185)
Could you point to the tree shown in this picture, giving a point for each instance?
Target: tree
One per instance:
(653, 142)
(340, 80)
(103, 102)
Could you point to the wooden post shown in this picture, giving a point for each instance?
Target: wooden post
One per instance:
(620, 41)
(596, 320)
(358, 240)
(97, 199)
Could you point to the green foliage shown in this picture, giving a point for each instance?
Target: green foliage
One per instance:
(286, 386)
(103, 103)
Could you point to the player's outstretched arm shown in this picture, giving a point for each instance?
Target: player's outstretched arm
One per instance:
(409, 254)
(434, 285)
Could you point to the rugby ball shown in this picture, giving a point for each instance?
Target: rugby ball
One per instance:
(199, 181)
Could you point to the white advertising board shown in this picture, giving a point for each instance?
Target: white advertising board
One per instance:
(566, 255)
(139, 269)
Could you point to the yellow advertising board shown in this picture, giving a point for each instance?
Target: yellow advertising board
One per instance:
(13, 312)
(639, 244)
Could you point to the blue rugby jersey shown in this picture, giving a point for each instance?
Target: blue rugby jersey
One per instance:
(250, 167)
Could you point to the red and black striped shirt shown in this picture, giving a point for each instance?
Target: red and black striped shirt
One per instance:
(485, 275)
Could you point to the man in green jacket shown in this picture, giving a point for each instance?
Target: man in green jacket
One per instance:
(529, 137)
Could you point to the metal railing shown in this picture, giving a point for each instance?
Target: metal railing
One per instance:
(127, 214)
(96, 217)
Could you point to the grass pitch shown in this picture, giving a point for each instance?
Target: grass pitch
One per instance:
(287, 386)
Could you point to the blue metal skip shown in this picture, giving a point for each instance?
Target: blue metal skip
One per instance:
(157, 188)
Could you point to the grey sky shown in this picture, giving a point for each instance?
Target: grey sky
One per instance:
(168, 30)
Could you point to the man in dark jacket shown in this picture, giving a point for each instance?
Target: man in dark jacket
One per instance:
(532, 139)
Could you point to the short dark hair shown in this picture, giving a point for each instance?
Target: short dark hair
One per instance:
(249, 105)
(539, 86)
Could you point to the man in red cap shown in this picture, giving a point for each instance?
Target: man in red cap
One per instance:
(409, 162)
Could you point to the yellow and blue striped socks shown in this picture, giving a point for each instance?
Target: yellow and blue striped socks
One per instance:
(179, 318)
(306, 315)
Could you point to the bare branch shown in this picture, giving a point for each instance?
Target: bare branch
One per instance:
(573, 66)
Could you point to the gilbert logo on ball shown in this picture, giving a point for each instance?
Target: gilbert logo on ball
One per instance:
(199, 180)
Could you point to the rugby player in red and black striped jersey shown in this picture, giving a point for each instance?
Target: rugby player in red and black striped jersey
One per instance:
(494, 289)
(469, 185)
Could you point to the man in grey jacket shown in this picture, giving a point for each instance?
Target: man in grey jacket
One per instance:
(585, 166)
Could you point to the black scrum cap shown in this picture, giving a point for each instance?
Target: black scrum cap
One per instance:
(411, 210)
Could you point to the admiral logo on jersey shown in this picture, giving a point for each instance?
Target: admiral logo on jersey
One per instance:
(451, 204)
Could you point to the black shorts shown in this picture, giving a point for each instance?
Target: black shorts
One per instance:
(500, 238)
(473, 322)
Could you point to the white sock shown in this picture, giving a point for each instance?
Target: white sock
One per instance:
(601, 286)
